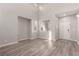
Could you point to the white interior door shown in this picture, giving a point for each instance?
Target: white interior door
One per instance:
(64, 28)
(67, 28)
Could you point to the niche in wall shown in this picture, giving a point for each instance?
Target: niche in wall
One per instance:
(35, 26)
(24, 28)
(45, 25)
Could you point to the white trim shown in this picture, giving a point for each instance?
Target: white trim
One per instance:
(23, 39)
(8, 44)
(75, 41)
(32, 38)
(42, 38)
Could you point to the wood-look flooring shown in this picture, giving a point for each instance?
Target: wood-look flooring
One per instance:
(41, 47)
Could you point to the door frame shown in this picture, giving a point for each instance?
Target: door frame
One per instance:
(18, 27)
(62, 25)
(61, 15)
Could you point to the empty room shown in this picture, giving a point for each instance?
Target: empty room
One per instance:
(39, 29)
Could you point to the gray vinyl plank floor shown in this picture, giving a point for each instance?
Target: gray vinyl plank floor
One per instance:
(41, 47)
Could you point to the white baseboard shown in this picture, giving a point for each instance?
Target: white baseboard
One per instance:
(8, 44)
(24, 39)
(76, 41)
(42, 38)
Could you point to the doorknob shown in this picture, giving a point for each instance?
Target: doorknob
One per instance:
(68, 30)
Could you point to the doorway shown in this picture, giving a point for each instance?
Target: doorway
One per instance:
(24, 28)
(67, 27)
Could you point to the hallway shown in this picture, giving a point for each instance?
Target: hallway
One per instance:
(41, 47)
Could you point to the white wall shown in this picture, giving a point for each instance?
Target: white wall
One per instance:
(50, 10)
(9, 22)
(9, 13)
(28, 11)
